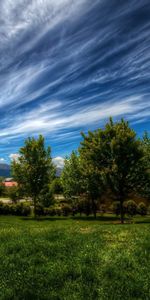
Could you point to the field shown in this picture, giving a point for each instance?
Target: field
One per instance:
(72, 259)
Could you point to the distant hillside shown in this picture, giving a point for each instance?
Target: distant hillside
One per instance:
(58, 171)
(4, 170)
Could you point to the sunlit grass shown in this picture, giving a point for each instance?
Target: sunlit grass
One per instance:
(74, 259)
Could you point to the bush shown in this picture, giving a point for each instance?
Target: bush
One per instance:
(66, 209)
(49, 211)
(102, 208)
(142, 209)
(39, 210)
(116, 208)
(131, 208)
(13, 193)
(4, 209)
(46, 197)
(84, 206)
(2, 189)
(58, 211)
(19, 209)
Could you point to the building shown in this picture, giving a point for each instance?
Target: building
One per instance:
(9, 182)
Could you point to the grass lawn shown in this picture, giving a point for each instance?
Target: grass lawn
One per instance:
(71, 259)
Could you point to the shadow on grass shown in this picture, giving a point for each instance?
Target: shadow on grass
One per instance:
(41, 219)
(104, 220)
(98, 218)
(143, 220)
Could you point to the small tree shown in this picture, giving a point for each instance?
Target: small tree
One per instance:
(71, 177)
(34, 169)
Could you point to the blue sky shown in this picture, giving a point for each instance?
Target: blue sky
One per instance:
(67, 65)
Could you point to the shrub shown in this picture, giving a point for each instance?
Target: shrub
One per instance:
(2, 189)
(13, 193)
(40, 210)
(46, 197)
(58, 211)
(116, 208)
(84, 206)
(131, 207)
(103, 208)
(66, 209)
(4, 209)
(142, 209)
(19, 209)
(49, 211)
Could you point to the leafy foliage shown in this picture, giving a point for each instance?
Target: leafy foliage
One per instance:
(71, 177)
(142, 209)
(111, 157)
(19, 209)
(131, 208)
(56, 186)
(46, 197)
(13, 193)
(34, 169)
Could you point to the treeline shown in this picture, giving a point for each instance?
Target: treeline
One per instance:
(112, 165)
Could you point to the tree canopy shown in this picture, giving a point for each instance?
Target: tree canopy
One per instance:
(113, 154)
(34, 168)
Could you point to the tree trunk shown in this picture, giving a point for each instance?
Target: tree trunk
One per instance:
(121, 212)
(94, 208)
(34, 203)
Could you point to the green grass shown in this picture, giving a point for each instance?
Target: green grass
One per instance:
(70, 259)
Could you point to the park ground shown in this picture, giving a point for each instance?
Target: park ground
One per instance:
(74, 258)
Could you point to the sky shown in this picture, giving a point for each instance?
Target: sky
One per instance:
(66, 66)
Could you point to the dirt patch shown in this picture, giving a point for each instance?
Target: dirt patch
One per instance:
(85, 230)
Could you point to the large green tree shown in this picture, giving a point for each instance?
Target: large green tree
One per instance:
(146, 148)
(34, 169)
(145, 178)
(113, 154)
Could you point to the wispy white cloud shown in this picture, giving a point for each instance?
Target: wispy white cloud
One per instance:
(58, 161)
(68, 65)
(14, 156)
(51, 116)
(2, 160)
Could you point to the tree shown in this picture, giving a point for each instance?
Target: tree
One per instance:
(34, 169)
(146, 148)
(93, 178)
(71, 177)
(143, 176)
(46, 196)
(56, 186)
(113, 154)
(13, 193)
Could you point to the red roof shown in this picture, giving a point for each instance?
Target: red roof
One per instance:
(10, 183)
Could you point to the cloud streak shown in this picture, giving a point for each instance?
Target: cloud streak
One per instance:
(67, 65)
